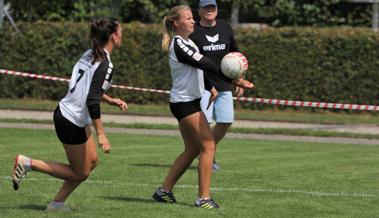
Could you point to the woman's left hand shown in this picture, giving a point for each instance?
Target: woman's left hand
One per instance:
(120, 103)
(104, 143)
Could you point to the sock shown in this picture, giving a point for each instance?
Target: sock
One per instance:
(161, 191)
(203, 199)
(28, 164)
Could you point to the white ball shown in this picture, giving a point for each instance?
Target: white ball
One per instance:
(234, 65)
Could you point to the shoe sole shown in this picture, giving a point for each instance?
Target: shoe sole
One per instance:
(58, 210)
(15, 184)
(206, 207)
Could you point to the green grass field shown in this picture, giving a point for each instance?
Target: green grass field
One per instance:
(257, 179)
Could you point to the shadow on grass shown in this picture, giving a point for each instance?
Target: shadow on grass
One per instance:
(33, 207)
(159, 165)
(139, 200)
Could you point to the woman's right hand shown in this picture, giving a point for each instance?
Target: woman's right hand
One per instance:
(104, 143)
(213, 96)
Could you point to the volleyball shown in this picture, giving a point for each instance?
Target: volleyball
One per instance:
(234, 65)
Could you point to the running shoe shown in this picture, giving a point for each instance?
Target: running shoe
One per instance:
(163, 196)
(21, 167)
(215, 167)
(206, 203)
(57, 206)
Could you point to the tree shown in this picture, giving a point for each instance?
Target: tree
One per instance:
(237, 4)
(274, 12)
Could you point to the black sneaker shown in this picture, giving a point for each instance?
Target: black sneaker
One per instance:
(206, 204)
(163, 196)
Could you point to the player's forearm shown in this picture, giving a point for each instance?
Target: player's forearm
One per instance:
(106, 98)
(98, 125)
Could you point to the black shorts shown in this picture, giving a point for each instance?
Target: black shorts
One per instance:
(183, 109)
(67, 132)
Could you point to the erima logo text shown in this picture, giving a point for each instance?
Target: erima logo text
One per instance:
(214, 47)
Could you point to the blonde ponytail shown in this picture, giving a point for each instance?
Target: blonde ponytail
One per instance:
(166, 29)
(168, 24)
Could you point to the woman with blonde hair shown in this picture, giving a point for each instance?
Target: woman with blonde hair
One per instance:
(188, 84)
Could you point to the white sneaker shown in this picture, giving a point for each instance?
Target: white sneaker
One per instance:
(57, 206)
(21, 167)
(215, 167)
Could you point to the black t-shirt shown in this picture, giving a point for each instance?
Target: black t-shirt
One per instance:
(215, 42)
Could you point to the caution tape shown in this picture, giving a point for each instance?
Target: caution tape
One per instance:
(292, 103)
(54, 78)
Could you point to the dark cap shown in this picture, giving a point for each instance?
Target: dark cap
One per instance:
(203, 3)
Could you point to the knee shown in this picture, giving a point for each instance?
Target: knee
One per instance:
(208, 146)
(193, 151)
(81, 177)
(94, 162)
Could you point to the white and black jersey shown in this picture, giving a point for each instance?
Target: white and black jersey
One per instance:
(187, 65)
(214, 43)
(87, 85)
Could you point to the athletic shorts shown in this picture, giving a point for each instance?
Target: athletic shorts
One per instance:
(221, 110)
(67, 132)
(183, 109)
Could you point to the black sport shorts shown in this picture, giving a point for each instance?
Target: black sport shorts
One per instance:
(67, 132)
(183, 109)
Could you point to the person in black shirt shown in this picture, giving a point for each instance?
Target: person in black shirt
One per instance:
(215, 39)
(91, 77)
(188, 81)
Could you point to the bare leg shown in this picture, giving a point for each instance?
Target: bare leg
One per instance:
(219, 131)
(82, 159)
(184, 160)
(197, 137)
(82, 167)
(207, 154)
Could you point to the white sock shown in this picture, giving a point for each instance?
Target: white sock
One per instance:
(203, 199)
(28, 164)
(161, 191)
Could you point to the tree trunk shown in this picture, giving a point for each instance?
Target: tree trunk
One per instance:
(375, 16)
(1, 13)
(235, 14)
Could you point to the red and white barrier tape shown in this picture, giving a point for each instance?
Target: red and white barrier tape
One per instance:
(245, 99)
(53, 78)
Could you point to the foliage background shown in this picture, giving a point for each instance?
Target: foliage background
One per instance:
(313, 64)
(272, 12)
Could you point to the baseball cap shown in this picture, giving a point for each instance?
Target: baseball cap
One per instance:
(203, 3)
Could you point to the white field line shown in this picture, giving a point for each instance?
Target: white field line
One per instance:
(234, 189)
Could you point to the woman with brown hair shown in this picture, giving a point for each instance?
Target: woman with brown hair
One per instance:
(91, 77)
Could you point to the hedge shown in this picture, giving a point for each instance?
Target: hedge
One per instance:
(330, 64)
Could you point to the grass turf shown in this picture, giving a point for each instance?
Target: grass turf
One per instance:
(257, 179)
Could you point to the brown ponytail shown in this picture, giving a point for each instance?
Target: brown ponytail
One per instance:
(101, 31)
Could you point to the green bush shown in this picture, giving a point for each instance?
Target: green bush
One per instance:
(331, 65)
